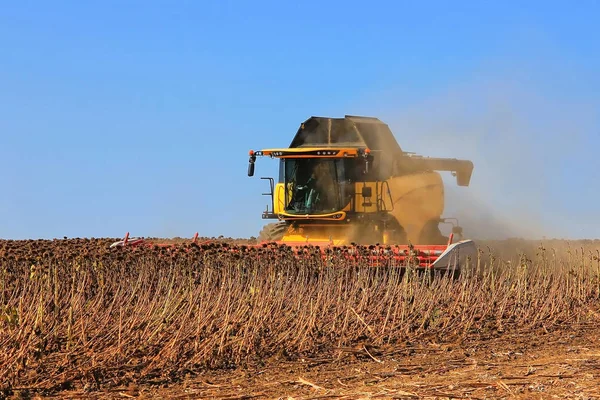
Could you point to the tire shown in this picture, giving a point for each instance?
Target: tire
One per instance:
(272, 232)
(431, 234)
(397, 232)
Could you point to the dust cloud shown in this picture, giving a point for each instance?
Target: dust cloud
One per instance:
(518, 142)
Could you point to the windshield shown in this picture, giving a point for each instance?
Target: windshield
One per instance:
(316, 186)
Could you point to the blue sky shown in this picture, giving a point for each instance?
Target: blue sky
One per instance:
(137, 116)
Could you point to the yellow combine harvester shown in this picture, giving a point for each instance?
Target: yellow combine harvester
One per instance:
(346, 181)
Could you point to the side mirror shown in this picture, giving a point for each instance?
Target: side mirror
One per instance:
(251, 163)
(367, 192)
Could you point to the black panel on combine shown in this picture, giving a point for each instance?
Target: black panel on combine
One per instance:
(353, 131)
(350, 131)
(376, 134)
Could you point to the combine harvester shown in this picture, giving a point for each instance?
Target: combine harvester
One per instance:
(346, 186)
(345, 183)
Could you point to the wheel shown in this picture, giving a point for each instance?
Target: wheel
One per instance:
(272, 232)
(431, 234)
(397, 234)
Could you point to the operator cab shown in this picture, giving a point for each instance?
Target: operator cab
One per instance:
(317, 185)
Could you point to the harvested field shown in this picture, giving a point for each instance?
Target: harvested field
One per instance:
(203, 321)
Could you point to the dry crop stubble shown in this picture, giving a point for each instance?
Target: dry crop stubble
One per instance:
(75, 314)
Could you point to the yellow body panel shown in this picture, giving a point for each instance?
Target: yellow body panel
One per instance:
(369, 205)
(417, 199)
(279, 198)
(334, 234)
